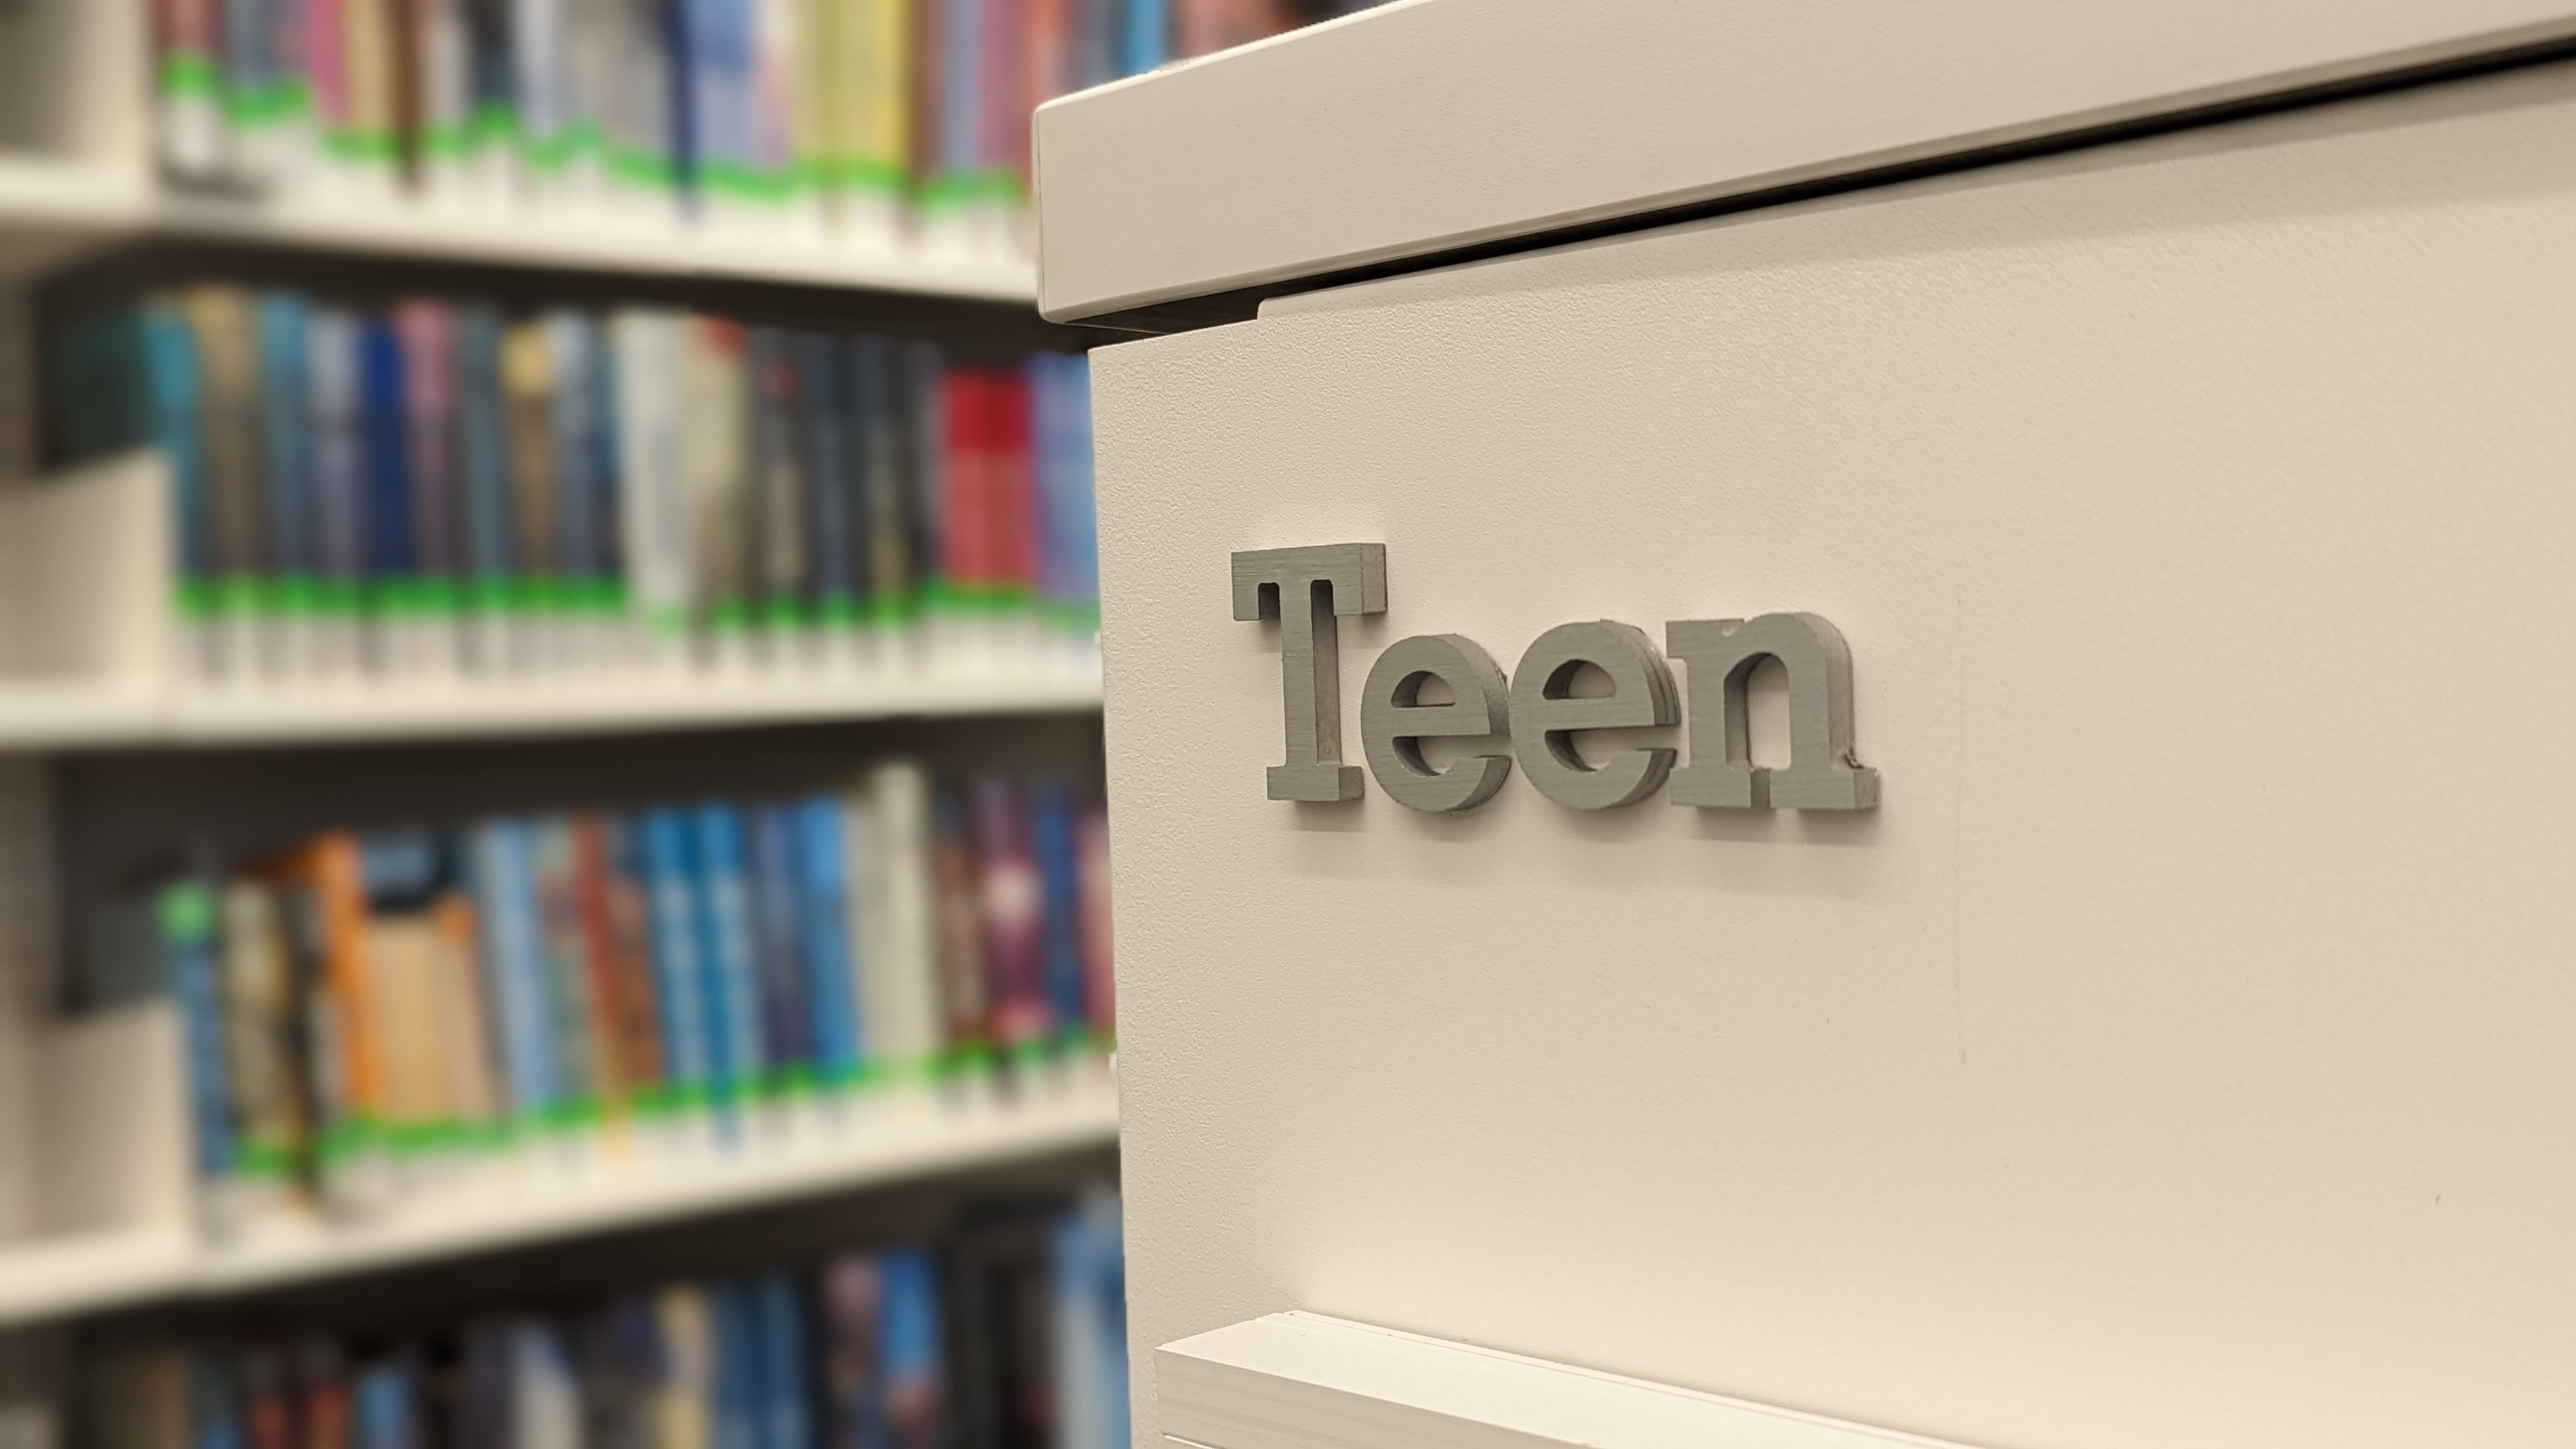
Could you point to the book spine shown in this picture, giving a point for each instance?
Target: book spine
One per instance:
(578, 525)
(1099, 984)
(489, 546)
(680, 973)
(471, 1071)
(191, 939)
(1009, 474)
(730, 955)
(921, 432)
(652, 451)
(432, 431)
(513, 954)
(392, 550)
(1144, 35)
(777, 878)
(611, 1013)
(339, 475)
(719, 474)
(537, 70)
(645, 1069)
(786, 1389)
(1053, 847)
(236, 472)
(1011, 900)
(580, 1083)
(368, 145)
(875, 427)
(965, 997)
(781, 551)
(899, 914)
(259, 1029)
(913, 1334)
(831, 958)
(832, 517)
(178, 412)
(285, 393)
(528, 386)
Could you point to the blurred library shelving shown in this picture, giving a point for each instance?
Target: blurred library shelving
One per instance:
(551, 863)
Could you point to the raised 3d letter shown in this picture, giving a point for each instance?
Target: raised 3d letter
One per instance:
(1305, 588)
(1545, 714)
(1393, 718)
(1720, 655)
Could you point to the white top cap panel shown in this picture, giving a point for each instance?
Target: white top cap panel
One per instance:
(1431, 125)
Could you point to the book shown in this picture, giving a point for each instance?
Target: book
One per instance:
(652, 450)
(191, 131)
(584, 1071)
(427, 333)
(1010, 900)
(333, 369)
(680, 976)
(965, 994)
(889, 832)
(730, 954)
(832, 933)
(391, 566)
(1054, 849)
(505, 883)
(1091, 861)
(187, 914)
(486, 489)
(778, 916)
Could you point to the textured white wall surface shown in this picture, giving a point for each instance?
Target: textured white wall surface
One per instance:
(2185, 1053)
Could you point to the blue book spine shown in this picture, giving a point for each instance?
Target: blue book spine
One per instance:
(1051, 841)
(189, 935)
(1145, 40)
(331, 365)
(730, 955)
(505, 889)
(778, 923)
(679, 979)
(484, 445)
(680, 62)
(178, 425)
(909, 1334)
(391, 550)
(784, 1391)
(738, 1370)
(831, 952)
(284, 393)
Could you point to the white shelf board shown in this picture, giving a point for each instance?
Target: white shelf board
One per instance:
(906, 1141)
(50, 714)
(66, 716)
(49, 210)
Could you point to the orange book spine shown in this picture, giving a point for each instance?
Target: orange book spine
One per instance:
(340, 885)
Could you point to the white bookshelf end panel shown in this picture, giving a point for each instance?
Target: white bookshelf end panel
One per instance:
(87, 575)
(1305, 1381)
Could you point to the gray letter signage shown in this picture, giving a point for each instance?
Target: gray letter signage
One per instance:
(1720, 655)
(1545, 716)
(1306, 588)
(1393, 718)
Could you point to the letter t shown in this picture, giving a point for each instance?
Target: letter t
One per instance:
(1306, 587)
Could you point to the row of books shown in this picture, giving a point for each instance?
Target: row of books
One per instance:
(377, 1018)
(1008, 1334)
(447, 485)
(824, 120)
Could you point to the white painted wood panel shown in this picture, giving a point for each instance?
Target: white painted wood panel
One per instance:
(2178, 1056)
(1434, 124)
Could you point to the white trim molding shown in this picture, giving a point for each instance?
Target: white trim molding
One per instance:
(1304, 1381)
(1433, 125)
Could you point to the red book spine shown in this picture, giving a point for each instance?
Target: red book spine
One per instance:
(961, 520)
(1014, 508)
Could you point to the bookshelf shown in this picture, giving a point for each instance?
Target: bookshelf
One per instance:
(907, 1140)
(55, 210)
(98, 1220)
